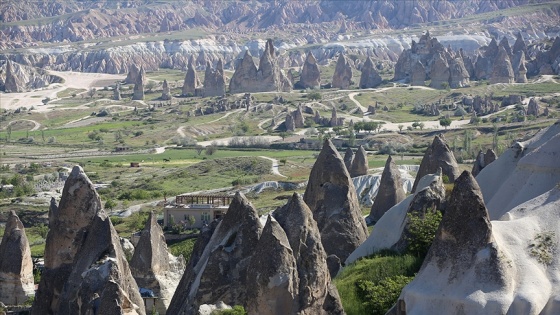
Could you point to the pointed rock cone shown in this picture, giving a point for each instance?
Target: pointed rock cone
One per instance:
(272, 283)
(138, 92)
(221, 271)
(16, 265)
(342, 77)
(359, 163)
(463, 257)
(153, 267)
(68, 224)
(310, 74)
(390, 190)
(101, 279)
(191, 82)
(348, 158)
(316, 294)
(245, 75)
(438, 155)
(370, 77)
(331, 196)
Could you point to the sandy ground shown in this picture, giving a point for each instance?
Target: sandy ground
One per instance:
(76, 80)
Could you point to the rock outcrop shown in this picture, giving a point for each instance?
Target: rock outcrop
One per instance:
(502, 72)
(310, 77)
(342, 77)
(438, 155)
(214, 80)
(191, 82)
(458, 73)
(133, 73)
(464, 257)
(418, 75)
(138, 93)
(316, 294)
(221, 269)
(439, 72)
(390, 191)
(17, 78)
(268, 77)
(165, 92)
(359, 165)
(370, 78)
(153, 267)
(332, 198)
(392, 229)
(117, 92)
(16, 266)
(533, 107)
(348, 158)
(524, 171)
(85, 267)
(483, 160)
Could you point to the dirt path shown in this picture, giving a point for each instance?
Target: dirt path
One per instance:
(274, 165)
(36, 127)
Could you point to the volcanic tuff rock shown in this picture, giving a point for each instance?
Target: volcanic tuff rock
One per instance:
(166, 92)
(16, 78)
(268, 77)
(348, 158)
(133, 73)
(370, 77)
(101, 280)
(524, 171)
(85, 267)
(221, 270)
(310, 76)
(464, 248)
(533, 107)
(214, 80)
(16, 266)
(439, 72)
(418, 75)
(316, 294)
(438, 155)
(191, 82)
(391, 230)
(117, 92)
(483, 160)
(390, 191)
(138, 93)
(359, 165)
(273, 276)
(153, 267)
(424, 52)
(458, 74)
(342, 77)
(332, 197)
(502, 72)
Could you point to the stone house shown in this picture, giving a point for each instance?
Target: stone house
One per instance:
(194, 211)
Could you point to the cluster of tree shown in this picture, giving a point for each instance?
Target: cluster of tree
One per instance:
(368, 126)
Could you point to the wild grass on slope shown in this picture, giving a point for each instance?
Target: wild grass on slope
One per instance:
(374, 269)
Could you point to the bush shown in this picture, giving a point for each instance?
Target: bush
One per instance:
(422, 231)
(236, 310)
(184, 248)
(379, 298)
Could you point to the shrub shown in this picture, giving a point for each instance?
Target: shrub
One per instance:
(380, 297)
(422, 231)
(236, 310)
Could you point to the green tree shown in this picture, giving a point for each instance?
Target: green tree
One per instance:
(379, 298)
(445, 122)
(421, 231)
(314, 96)
(110, 204)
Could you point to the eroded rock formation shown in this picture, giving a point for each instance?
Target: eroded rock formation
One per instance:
(331, 195)
(191, 82)
(359, 165)
(16, 266)
(390, 191)
(348, 158)
(166, 92)
(310, 76)
(214, 80)
(370, 78)
(153, 267)
(342, 77)
(16, 78)
(268, 77)
(138, 93)
(438, 155)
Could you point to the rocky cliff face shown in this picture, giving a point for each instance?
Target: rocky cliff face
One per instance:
(331, 195)
(16, 266)
(16, 78)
